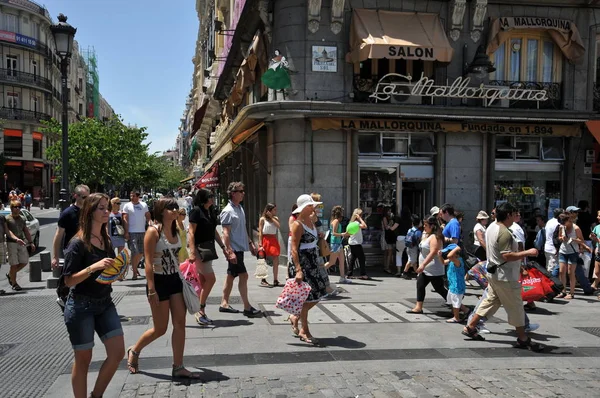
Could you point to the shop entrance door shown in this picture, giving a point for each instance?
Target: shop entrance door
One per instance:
(415, 196)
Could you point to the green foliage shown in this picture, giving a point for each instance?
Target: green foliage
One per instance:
(101, 153)
(165, 175)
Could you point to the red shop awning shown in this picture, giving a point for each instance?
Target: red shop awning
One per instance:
(210, 179)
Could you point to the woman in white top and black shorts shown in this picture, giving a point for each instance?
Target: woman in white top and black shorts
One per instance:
(164, 288)
(479, 235)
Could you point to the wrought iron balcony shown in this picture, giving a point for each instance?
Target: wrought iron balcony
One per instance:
(17, 77)
(554, 94)
(22, 114)
(597, 97)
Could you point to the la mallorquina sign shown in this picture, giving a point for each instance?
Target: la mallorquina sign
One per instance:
(394, 84)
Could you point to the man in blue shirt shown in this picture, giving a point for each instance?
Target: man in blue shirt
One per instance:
(451, 231)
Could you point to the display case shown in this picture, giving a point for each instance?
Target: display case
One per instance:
(377, 189)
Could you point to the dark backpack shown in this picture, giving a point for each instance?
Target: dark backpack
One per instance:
(555, 241)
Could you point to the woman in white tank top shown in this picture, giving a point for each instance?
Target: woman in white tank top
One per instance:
(268, 236)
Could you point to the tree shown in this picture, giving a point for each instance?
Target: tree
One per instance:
(162, 175)
(100, 152)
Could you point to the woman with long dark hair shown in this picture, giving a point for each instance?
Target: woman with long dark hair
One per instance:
(431, 269)
(337, 248)
(89, 306)
(202, 229)
(268, 230)
(163, 287)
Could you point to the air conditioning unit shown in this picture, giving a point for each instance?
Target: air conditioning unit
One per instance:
(406, 98)
(504, 103)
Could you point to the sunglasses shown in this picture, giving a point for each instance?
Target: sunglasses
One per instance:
(15, 207)
(172, 207)
(240, 191)
(117, 203)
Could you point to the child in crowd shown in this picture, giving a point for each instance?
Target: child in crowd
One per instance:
(413, 238)
(456, 281)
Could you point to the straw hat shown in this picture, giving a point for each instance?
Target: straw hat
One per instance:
(482, 215)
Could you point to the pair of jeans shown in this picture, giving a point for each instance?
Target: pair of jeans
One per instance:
(357, 253)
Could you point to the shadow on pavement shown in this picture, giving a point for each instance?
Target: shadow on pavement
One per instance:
(548, 349)
(223, 323)
(536, 336)
(207, 375)
(340, 341)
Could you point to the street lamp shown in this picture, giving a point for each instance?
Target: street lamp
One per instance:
(63, 39)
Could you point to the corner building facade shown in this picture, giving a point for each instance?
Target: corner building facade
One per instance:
(393, 102)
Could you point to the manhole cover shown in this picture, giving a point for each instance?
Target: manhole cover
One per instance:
(134, 320)
(592, 331)
(4, 348)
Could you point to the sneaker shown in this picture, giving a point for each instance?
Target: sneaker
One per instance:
(345, 281)
(202, 319)
(334, 293)
(252, 312)
(532, 327)
(483, 330)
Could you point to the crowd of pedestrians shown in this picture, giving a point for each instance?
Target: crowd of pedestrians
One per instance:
(95, 226)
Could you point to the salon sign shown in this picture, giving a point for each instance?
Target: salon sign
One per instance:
(394, 84)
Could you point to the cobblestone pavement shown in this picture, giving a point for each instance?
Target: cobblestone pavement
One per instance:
(575, 382)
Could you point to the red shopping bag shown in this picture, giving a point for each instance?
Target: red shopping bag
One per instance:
(293, 296)
(535, 285)
(189, 272)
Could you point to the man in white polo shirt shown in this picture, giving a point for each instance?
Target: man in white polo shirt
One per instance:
(135, 218)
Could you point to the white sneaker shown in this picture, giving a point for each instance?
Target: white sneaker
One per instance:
(345, 281)
(483, 330)
(532, 327)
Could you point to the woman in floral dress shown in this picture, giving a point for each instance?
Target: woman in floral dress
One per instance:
(304, 265)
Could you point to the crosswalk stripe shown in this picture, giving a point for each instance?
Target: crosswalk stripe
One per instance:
(344, 313)
(376, 313)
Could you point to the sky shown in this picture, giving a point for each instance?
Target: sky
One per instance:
(144, 50)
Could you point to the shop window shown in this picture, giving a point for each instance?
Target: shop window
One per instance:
(531, 192)
(395, 144)
(377, 189)
(527, 56)
(401, 67)
(37, 149)
(13, 146)
(422, 146)
(553, 148)
(529, 147)
(369, 144)
(366, 70)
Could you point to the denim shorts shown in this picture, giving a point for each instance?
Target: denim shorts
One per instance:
(86, 315)
(336, 247)
(570, 259)
(136, 243)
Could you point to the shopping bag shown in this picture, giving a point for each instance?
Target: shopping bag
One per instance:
(535, 285)
(190, 273)
(293, 296)
(262, 270)
(478, 273)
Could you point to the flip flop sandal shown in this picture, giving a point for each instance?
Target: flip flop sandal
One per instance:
(177, 373)
(561, 295)
(133, 366)
(264, 283)
(473, 334)
(452, 320)
(295, 329)
(414, 312)
(309, 340)
(569, 297)
(529, 345)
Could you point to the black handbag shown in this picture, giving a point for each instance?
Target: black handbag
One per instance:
(207, 251)
(390, 237)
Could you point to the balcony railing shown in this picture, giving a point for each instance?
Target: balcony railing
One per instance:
(554, 94)
(22, 114)
(30, 5)
(15, 77)
(597, 97)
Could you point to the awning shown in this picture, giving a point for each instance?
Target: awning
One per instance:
(246, 129)
(244, 135)
(594, 127)
(377, 34)
(210, 179)
(564, 33)
(190, 178)
(198, 116)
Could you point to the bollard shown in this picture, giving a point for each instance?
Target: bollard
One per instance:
(52, 283)
(35, 271)
(57, 272)
(46, 261)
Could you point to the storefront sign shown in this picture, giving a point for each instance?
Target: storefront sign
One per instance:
(394, 84)
(528, 191)
(446, 127)
(590, 156)
(508, 23)
(12, 37)
(587, 168)
(324, 59)
(409, 52)
(210, 179)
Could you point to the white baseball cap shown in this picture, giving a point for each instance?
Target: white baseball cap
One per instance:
(434, 211)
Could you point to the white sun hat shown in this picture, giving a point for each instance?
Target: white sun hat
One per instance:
(303, 201)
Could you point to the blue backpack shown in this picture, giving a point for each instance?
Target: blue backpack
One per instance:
(410, 240)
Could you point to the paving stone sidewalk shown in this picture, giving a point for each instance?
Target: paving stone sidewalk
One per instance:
(536, 383)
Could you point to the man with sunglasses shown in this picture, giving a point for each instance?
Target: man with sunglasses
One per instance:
(68, 223)
(18, 257)
(236, 241)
